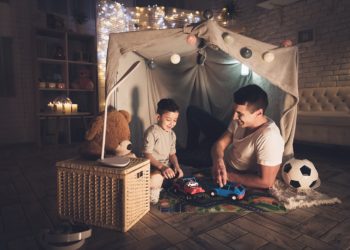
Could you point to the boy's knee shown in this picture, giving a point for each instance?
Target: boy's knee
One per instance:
(156, 186)
(156, 180)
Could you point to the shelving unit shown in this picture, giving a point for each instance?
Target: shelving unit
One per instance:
(63, 60)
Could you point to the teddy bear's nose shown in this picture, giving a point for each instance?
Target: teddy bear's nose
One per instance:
(129, 147)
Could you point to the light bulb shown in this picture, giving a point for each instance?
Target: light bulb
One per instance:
(268, 57)
(191, 40)
(227, 38)
(151, 64)
(175, 58)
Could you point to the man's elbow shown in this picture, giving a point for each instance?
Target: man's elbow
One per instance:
(267, 183)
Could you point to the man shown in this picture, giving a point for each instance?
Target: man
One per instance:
(250, 150)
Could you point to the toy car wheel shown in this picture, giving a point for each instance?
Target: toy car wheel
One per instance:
(233, 197)
(212, 193)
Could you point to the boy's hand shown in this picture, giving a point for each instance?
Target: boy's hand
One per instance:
(179, 173)
(168, 173)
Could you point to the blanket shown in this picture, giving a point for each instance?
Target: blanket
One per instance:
(292, 199)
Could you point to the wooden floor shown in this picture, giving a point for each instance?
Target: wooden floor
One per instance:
(28, 205)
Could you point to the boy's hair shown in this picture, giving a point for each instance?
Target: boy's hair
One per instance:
(167, 105)
(253, 96)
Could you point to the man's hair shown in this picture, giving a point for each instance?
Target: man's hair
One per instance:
(253, 96)
(167, 105)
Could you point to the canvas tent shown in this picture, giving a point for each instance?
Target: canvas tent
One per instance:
(209, 86)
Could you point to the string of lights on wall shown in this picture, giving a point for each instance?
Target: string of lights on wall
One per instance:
(113, 17)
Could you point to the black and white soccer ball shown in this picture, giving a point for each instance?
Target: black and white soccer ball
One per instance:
(300, 174)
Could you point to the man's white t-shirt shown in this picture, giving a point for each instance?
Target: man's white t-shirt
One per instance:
(264, 146)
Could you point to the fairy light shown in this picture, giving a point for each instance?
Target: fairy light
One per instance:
(113, 17)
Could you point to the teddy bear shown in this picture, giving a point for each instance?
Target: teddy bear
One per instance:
(83, 82)
(117, 135)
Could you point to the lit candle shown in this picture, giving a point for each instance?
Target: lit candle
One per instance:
(58, 108)
(67, 107)
(50, 106)
(74, 108)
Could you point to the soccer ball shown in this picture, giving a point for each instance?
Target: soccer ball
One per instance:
(300, 174)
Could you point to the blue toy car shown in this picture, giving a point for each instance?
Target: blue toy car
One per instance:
(231, 190)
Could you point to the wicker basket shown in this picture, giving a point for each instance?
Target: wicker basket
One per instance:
(108, 197)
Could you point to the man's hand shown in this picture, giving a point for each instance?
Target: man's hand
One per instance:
(219, 172)
(217, 154)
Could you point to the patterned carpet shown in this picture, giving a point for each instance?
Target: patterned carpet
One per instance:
(256, 200)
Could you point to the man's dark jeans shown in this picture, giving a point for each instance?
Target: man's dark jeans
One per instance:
(200, 121)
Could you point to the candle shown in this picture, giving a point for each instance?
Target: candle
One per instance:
(58, 108)
(50, 106)
(67, 108)
(74, 108)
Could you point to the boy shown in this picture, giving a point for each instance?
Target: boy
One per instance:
(159, 146)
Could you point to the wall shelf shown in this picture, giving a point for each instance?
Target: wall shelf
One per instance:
(62, 59)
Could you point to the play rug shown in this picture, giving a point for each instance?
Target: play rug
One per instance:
(254, 200)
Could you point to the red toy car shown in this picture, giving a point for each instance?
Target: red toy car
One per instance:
(188, 186)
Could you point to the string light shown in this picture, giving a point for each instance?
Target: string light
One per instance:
(113, 17)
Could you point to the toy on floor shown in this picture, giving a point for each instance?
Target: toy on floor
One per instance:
(188, 186)
(300, 174)
(231, 189)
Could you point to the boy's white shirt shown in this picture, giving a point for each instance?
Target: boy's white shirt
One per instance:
(159, 143)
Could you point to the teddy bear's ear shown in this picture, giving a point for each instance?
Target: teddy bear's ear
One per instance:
(126, 114)
(96, 127)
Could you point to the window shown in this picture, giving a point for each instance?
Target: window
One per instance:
(7, 85)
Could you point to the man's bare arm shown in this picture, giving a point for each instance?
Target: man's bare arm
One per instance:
(217, 153)
(266, 180)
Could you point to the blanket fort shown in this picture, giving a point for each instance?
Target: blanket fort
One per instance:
(206, 74)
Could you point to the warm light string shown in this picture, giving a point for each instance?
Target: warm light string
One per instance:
(113, 17)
